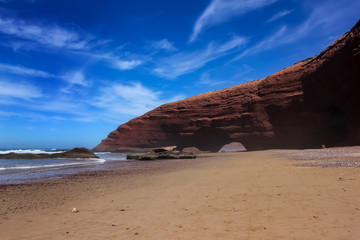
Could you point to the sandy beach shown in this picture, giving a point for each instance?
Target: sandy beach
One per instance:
(249, 195)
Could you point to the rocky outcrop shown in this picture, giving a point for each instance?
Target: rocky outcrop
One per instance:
(161, 153)
(311, 103)
(191, 150)
(73, 153)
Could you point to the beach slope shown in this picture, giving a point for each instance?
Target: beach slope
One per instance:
(248, 195)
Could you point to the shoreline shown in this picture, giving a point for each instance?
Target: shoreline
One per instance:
(247, 195)
(17, 171)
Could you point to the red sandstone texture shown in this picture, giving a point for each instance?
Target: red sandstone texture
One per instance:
(312, 103)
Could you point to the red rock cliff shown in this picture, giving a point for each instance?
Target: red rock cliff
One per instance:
(314, 102)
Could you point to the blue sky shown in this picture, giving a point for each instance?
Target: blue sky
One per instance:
(72, 71)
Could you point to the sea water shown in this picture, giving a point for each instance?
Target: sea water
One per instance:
(26, 170)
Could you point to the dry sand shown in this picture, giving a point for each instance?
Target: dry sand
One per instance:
(249, 195)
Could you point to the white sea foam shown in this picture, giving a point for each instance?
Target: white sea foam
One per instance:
(33, 151)
(38, 166)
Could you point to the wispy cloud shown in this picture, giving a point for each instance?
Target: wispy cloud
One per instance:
(224, 77)
(20, 70)
(75, 78)
(119, 61)
(206, 79)
(33, 116)
(49, 36)
(133, 99)
(125, 64)
(318, 19)
(268, 43)
(220, 11)
(112, 102)
(183, 63)
(71, 77)
(18, 90)
(163, 44)
(29, 35)
(279, 15)
(75, 81)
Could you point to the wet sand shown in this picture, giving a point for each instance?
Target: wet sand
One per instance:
(250, 195)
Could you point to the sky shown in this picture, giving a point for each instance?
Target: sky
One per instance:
(73, 71)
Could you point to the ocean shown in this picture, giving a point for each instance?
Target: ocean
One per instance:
(14, 171)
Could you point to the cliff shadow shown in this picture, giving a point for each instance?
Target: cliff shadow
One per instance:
(209, 139)
(293, 126)
(334, 128)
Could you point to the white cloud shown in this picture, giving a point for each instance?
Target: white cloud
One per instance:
(117, 62)
(18, 90)
(126, 64)
(26, 35)
(163, 44)
(279, 15)
(183, 63)
(72, 77)
(133, 99)
(111, 103)
(76, 82)
(75, 78)
(20, 70)
(220, 11)
(49, 36)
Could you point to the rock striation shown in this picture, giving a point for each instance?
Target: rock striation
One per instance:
(312, 103)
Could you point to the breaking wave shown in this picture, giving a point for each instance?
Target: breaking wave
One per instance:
(33, 151)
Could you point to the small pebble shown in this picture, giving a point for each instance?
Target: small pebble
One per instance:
(75, 210)
(122, 210)
(136, 233)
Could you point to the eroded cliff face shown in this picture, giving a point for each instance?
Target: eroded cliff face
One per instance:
(314, 102)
